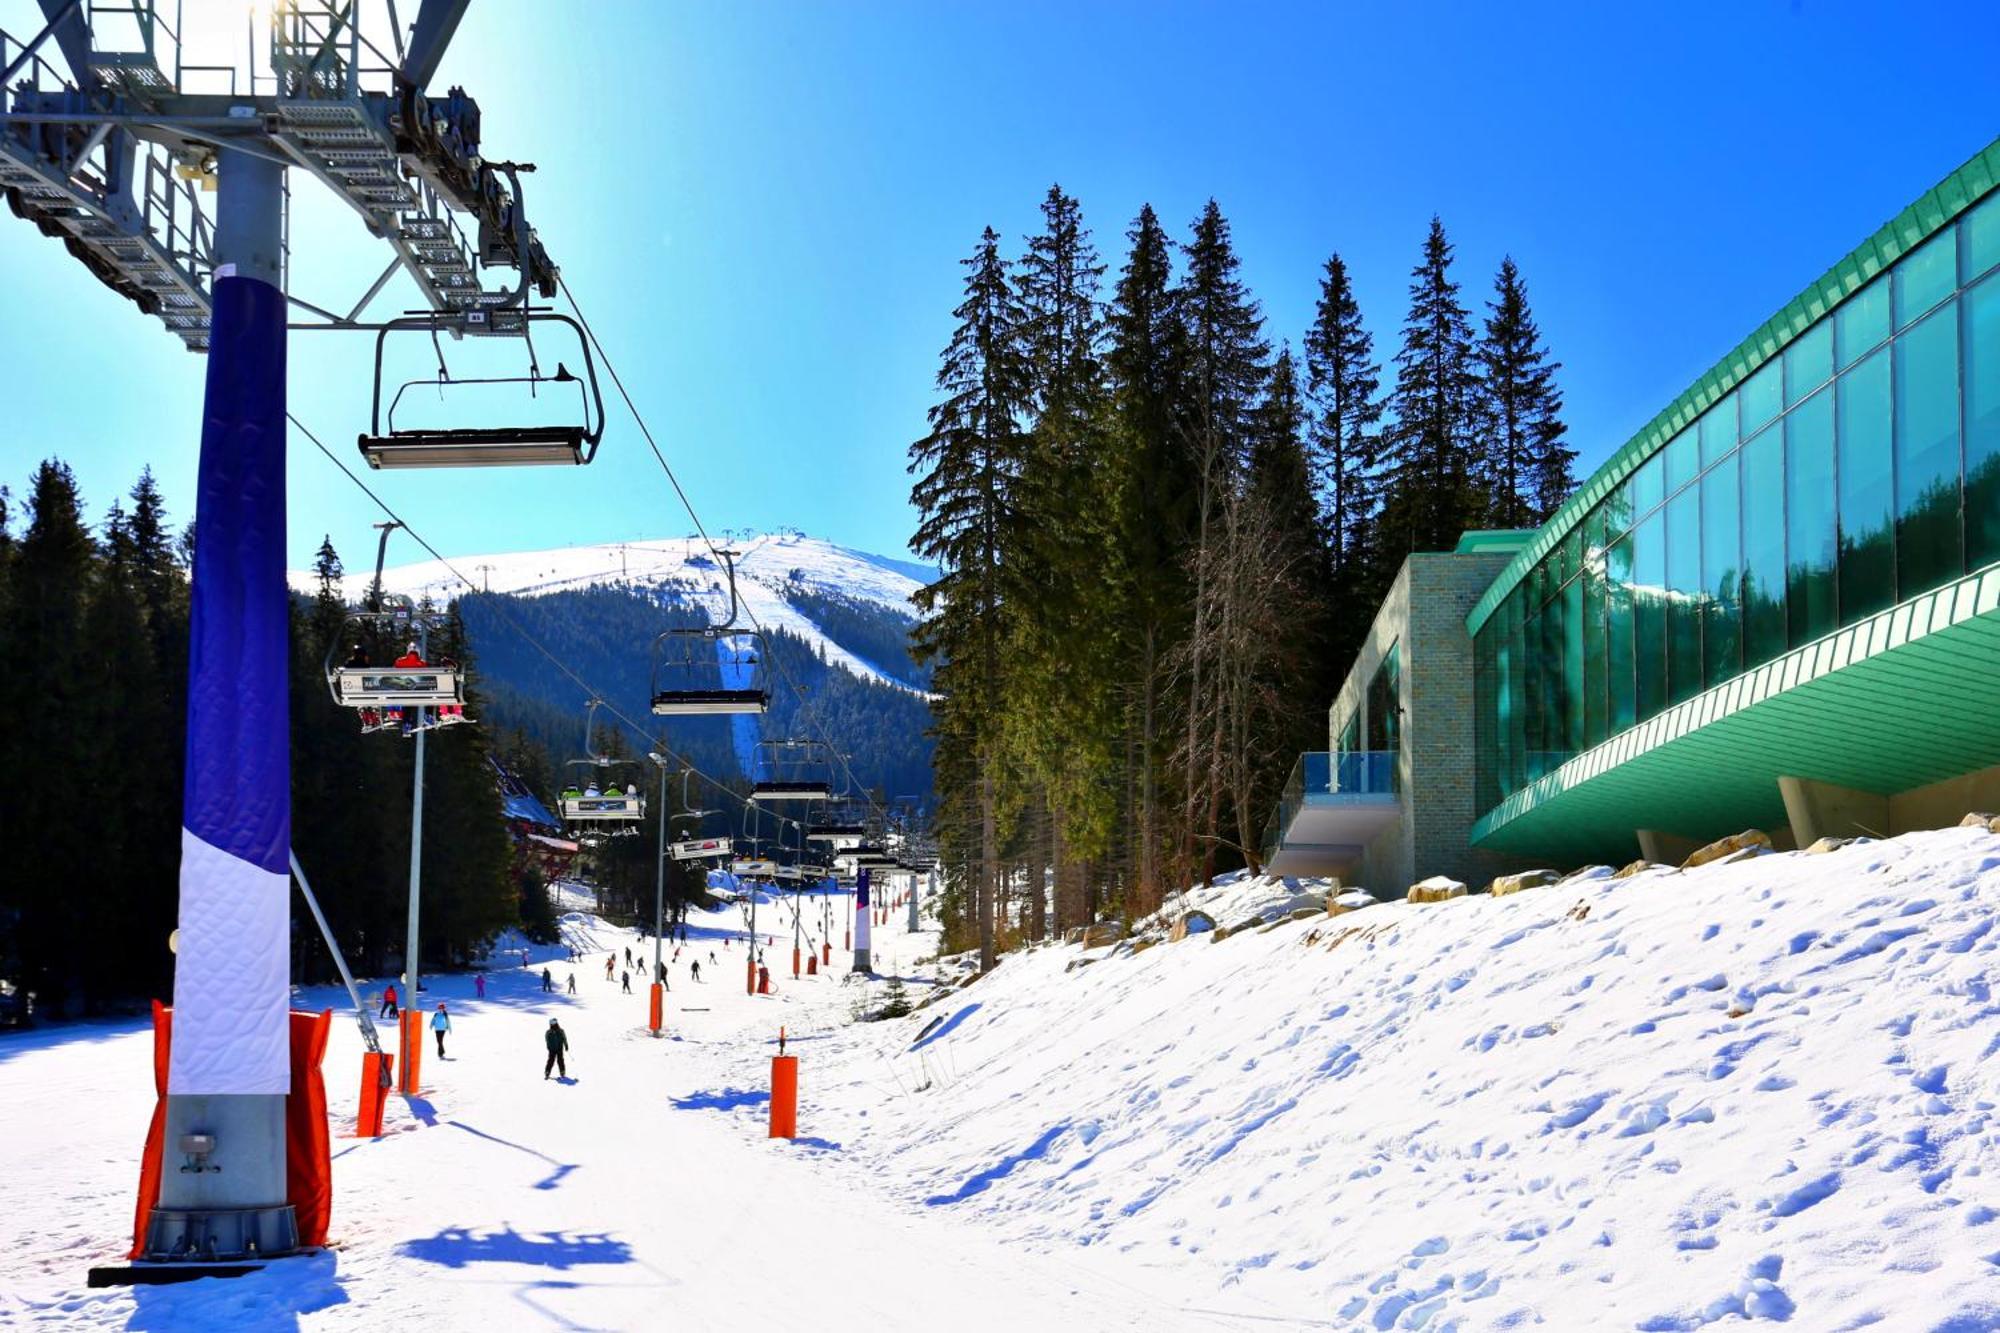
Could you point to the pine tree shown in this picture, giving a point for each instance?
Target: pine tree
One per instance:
(969, 467)
(1527, 463)
(1343, 381)
(1431, 496)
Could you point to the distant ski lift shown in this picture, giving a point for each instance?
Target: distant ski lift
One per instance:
(386, 445)
(708, 672)
(792, 771)
(595, 804)
(382, 693)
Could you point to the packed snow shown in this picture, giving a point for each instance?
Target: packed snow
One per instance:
(766, 563)
(1752, 1091)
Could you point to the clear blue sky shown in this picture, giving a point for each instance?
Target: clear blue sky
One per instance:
(761, 207)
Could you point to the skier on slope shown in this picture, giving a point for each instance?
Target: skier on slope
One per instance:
(694, 968)
(440, 1024)
(572, 983)
(558, 1042)
(548, 982)
(479, 984)
(626, 978)
(388, 1009)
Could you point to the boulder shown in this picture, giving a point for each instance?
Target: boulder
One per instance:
(1436, 889)
(1735, 842)
(1074, 963)
(1144, 943)
(1503, 885)
(1640, 867)
(1301, 913)
(1831, 844)
(1977, 820)
(1349, 900)
(1101, 933)
(1191, 923)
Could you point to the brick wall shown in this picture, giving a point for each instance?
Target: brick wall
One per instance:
(1425, 611)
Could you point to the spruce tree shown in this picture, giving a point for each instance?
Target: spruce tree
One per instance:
(1223, 378)
(1343, 381)
(50, 577)
(969, 467)
(1527, 462)
(1061, 701)
(1431, 495)
(1155, 486)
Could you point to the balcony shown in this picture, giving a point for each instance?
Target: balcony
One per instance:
(1332, 807)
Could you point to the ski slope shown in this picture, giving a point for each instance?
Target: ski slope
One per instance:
(1751, 1092)
(766, 563)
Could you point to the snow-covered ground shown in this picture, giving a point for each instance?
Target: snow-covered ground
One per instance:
(1756, 1091)
(766, 563)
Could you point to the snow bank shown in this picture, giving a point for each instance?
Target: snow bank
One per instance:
(1748, 1091)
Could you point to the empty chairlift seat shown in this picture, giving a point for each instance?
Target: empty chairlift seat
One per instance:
(574, 443)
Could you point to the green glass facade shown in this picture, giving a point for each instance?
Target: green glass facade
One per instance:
(1854, 465)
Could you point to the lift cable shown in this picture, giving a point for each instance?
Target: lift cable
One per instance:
(618, 382)
(590, 692)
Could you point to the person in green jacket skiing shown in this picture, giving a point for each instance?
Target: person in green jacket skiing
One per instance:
(558, 1042)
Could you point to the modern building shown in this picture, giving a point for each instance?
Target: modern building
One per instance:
(1395, 792)
(1776, 606)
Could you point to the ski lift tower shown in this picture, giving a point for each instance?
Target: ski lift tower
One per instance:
(171, 183)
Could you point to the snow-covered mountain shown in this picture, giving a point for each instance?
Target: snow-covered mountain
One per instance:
(767, 566)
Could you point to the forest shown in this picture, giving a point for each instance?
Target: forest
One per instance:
(98, 616)
(1162, 537)
(98, 613)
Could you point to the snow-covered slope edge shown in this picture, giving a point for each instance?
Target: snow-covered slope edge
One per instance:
(1751, 1090)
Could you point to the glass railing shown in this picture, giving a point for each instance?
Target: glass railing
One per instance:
(1364, 772)
(1320, 777)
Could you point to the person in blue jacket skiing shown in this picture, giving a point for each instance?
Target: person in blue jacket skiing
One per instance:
(440, 1024)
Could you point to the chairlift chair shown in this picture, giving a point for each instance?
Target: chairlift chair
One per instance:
(791, 771)
(611, 806)
(686, 661)
(436, 690)
(571, 443)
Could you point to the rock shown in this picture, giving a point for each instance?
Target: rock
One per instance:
(1721, 847)
(1977, 820)
(1301, 913)
(1639, 867)
(1073, 934)
(1074, 963)
(1589, 873)
(1503, 885)
(1830, 844)
(1191, 923)
(1218, 935)
(1436, 889)
(1349, 900)
(1101, 933)
(1145, 943)
(1247, 923)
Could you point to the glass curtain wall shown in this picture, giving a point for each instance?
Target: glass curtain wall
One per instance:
(1857, 468)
